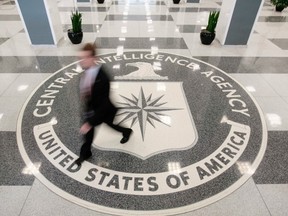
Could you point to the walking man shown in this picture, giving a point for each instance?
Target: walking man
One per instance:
(98, 108)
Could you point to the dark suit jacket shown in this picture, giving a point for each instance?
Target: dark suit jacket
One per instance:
(98, 105)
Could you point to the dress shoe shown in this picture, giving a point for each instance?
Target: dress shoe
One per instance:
(80, 160)
(126, 136)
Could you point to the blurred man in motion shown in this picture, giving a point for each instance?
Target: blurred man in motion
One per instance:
(97, 107)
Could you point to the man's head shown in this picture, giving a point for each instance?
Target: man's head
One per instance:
(87, 55)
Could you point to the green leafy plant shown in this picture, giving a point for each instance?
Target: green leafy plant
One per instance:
(212, 21)
(280, 3)
(76, 19)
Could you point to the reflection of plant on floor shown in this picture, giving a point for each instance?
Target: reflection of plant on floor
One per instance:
(275, 19)
(280, 4)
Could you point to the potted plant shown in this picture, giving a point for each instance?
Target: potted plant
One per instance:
(75, 34)
(208, 35)
(280, 4)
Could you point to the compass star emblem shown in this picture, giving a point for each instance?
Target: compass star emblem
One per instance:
(143, 109)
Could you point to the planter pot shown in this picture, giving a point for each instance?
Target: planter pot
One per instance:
(207, 37)
(176, 1)
(75, 38)
(100, 1)
(279, 8)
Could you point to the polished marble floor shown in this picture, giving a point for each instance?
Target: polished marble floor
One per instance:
(163, 82)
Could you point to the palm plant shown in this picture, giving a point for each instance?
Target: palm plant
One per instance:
(281, 3)
(207, 35)
(76, 19)
(75, 34)
(212, 21)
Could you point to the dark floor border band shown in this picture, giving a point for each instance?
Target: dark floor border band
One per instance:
(50, 64)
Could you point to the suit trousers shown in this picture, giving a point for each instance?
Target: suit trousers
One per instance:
(85, 151)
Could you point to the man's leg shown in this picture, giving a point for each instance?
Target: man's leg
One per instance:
(126, 132)
(85, 151)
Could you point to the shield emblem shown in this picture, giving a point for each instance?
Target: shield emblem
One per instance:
(155, 111)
